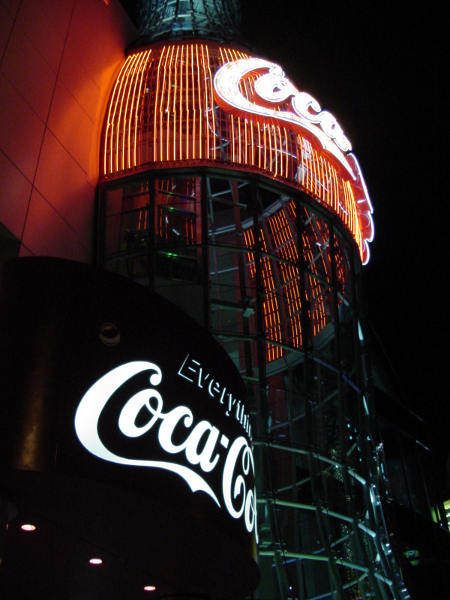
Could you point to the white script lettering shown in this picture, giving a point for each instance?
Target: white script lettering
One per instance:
(192, 371)
(274, 87)
(201, 446)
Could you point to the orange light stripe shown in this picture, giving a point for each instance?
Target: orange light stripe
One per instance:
(211, 103)
(130, 112)
(343, 201)
(195, 128)
(120, 129)
(126, 149)
(164, 96)
(318, 179)
(259, 144)
(190, 123)
(336, 187)
(338, 192)
(308, 172)
(205, 104)
(201, 78)
(301, 159)
(329, 184)
(168, 94)
(280, 153)
(267, 148)
(304, 166)
(157, 108)
(239, 140)
(272, 304)
(114, 123)
(288, 272)
(110, 123)
(348, 196)
(245, 141)
(171, 111)
(165, 99)
(176, 93)
(119, 107)
(138, 102)
(306, 161)
(233, 159)
(346, 212)
(273, 150)
(332, 184)
(183, 89)
(252, 145)
(322, 178)
(315, 175)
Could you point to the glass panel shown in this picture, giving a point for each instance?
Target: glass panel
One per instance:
(126, 237)
(178, 230)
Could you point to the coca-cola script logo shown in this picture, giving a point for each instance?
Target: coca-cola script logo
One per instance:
(272, 90)
(273, 87)
(198, 454)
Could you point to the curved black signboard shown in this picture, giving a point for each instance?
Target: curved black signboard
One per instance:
(119, 394)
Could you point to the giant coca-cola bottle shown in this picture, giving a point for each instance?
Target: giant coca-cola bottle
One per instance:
(229, 190)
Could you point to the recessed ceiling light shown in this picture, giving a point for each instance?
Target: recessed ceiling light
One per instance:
(95, 561)
(149, 588)
(28, 527)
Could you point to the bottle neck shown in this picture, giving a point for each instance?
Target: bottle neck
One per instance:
(175, 19)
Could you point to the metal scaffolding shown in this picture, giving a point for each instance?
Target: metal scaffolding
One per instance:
(210, 19)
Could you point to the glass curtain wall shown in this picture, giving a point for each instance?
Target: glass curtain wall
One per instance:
(275, 279)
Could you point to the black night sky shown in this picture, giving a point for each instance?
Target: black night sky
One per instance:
(382, 73)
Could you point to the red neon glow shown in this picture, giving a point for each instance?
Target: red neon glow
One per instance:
(281, 279)
(163, 112)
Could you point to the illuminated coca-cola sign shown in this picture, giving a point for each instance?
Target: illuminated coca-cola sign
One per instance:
(194, 447)
(273, 88)
(124, 418)
(151, 402)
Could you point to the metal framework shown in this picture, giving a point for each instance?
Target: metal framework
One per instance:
(274, 276)
(213, 19)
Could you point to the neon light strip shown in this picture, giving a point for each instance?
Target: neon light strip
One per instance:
(126, 130)
(144, 66)
(211, 103)
(114, 102)
(110, 123)
(120, 100)
(201, 119)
